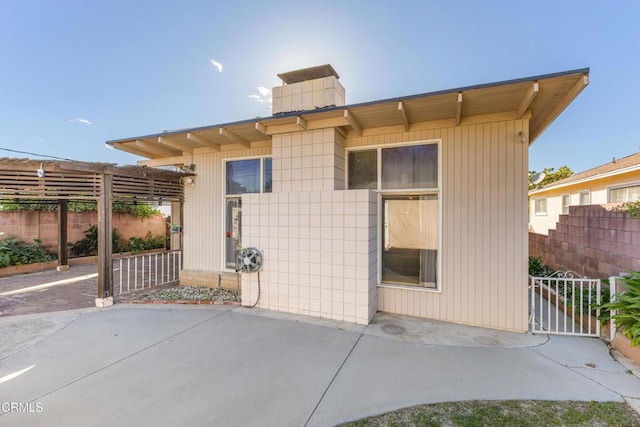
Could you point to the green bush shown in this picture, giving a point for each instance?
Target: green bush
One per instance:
(138, 210)
(537, 267)
(138, 244)
(17, 252)
(627, 304)
(89, 245)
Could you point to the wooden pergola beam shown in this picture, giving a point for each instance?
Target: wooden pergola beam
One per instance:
(105, 244)
(527, 99)
(234, 137)
(63, 256)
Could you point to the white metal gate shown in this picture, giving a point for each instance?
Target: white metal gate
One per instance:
(564, 303)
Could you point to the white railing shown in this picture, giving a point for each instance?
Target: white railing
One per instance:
(146, 270)
(565, 303)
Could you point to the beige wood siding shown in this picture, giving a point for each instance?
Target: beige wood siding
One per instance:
(204, 209)
(484, 227)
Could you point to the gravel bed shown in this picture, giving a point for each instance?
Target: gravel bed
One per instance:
(191, 293)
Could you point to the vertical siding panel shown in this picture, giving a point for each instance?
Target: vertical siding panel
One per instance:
(493, 262)
(462, 220)
(449, 231)
(479, 225)
(512, 237)
(471, 208)
(506, 141)
(522, 150)
(486, 226)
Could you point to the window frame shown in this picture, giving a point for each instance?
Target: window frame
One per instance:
(565, 208)
(583, 192)
(398, 192)
(620, 187)
(226, 197)
(535, 207)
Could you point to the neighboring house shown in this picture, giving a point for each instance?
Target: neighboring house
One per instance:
(413, 205)
(614, 182)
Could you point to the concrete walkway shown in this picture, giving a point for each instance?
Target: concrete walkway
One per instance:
(175, 365)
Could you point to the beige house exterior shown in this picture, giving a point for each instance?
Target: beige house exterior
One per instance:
(615, 182)
(414, 205)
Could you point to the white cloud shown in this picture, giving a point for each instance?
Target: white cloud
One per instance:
(217, 65)
(263, 96)
(83, 121)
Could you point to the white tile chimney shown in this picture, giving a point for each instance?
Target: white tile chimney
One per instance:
(308, 89)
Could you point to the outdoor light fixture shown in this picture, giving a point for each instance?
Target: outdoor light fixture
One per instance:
(40, 172)
(188, 181)
(523, 137)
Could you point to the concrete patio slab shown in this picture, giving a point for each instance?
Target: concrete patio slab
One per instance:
(222, 365)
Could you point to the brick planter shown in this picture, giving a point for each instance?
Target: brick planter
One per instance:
(623, 344)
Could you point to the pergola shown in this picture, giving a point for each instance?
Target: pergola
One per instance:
(46, 181)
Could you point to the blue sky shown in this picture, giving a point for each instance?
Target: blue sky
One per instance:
(77, 73)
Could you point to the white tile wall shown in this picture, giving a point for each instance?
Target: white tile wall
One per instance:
(316, 261)
(308, 95)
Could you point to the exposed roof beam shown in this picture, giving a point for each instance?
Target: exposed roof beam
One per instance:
(403, 114)
(302, 123)
(560, 106)
(459, 108)
(131, 148)
(353, 122)
(261, 128)
(166, 161)
(528, 99)
(203, 141)
(156, 149)
(174, 144)
(234, 137)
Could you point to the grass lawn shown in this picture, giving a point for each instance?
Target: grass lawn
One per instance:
(508, 413)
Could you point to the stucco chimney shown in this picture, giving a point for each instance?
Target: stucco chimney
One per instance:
(308, 89)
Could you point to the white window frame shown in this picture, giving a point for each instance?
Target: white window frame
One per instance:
(619, 187)
(535, 206)
(398, 192)
(565, 209)
(226, 196)
(588, 193)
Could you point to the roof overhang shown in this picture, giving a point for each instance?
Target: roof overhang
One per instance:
(553, 187)
(540, 99)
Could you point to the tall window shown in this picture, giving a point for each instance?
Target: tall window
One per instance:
(624, 194)
(241, 176)
(566, 202)
(407, 178)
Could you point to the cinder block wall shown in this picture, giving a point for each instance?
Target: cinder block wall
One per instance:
(29, 225)
(591, 241)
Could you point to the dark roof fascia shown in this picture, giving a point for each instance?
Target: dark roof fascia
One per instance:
(362, 104)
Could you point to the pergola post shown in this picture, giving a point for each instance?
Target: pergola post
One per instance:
(105, 264)
(63, 256)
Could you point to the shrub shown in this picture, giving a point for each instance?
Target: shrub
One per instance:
(627, 304)
(89, 245)
(138, 244)
(537, 267)
(17, 252)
